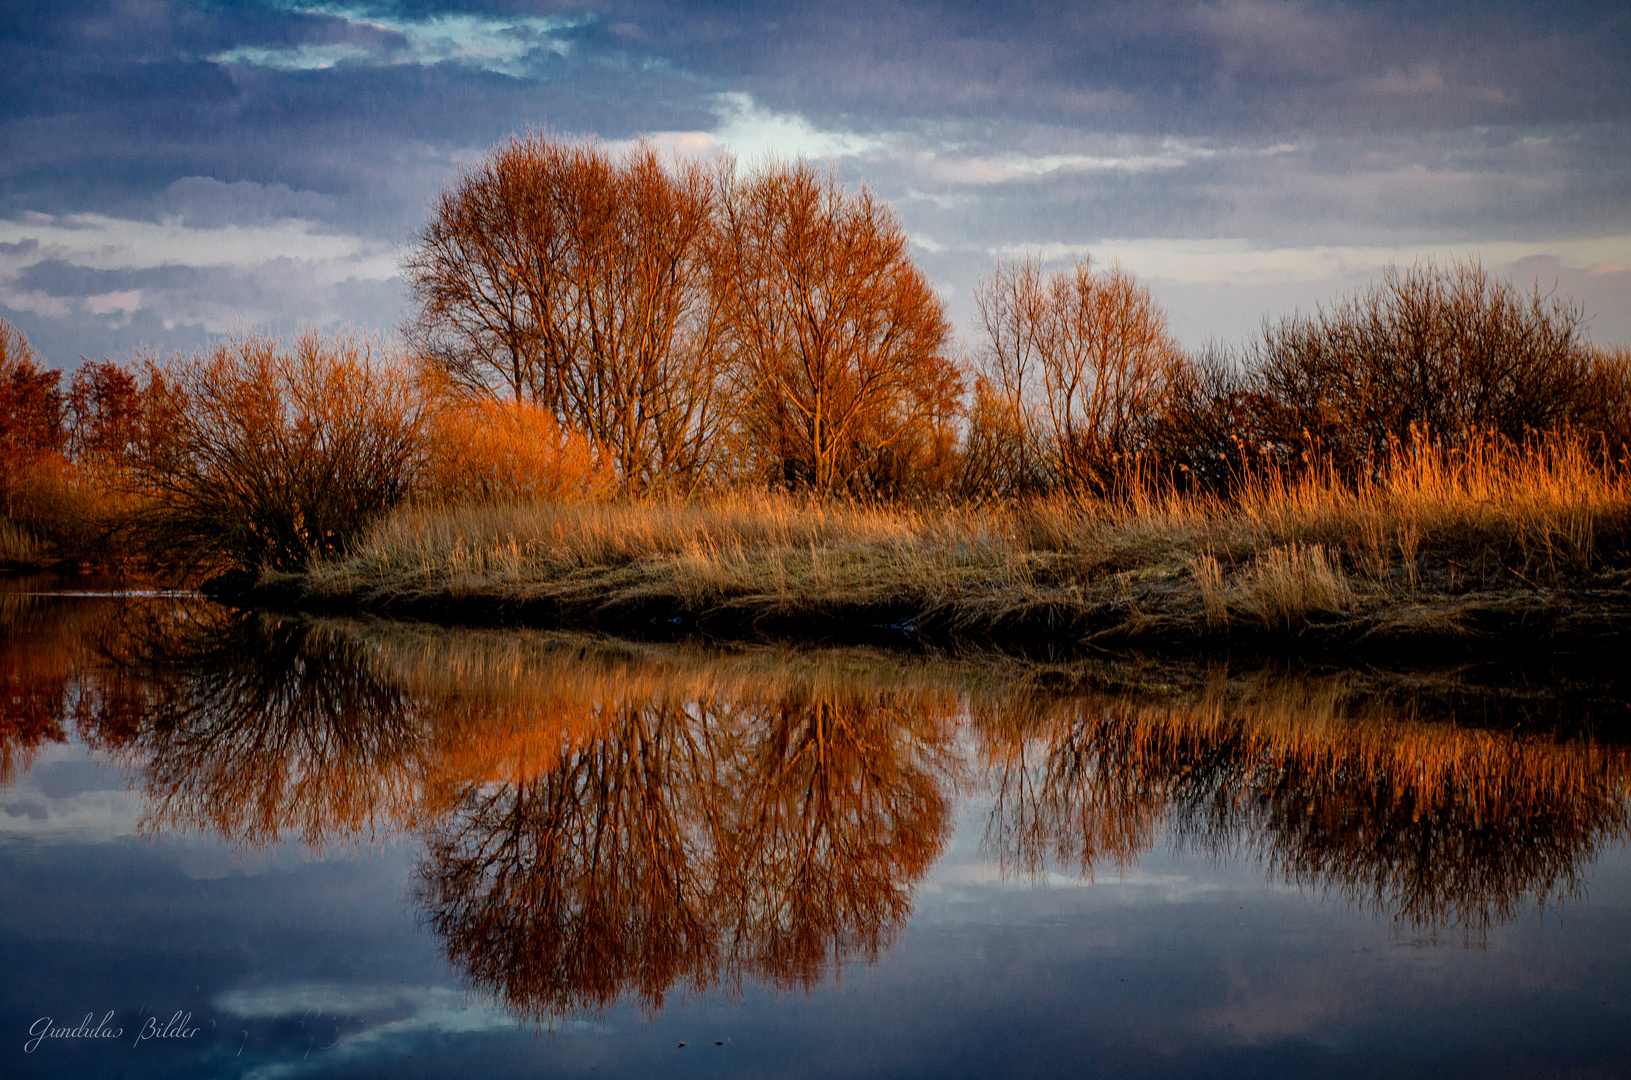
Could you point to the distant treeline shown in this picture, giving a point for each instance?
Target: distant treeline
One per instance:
(592, 325)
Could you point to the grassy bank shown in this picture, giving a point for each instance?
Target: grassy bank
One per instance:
(1480, 550)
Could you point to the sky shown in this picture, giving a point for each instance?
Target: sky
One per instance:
(171, 170)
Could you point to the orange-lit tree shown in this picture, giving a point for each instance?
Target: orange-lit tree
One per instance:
(31, 431)
(838, 343)
(563, 276)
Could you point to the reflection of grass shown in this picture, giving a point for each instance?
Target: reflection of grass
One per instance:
(1444, 547)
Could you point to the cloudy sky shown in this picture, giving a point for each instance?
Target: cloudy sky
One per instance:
(172, 168)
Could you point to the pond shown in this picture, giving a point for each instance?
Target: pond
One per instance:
(236, 844)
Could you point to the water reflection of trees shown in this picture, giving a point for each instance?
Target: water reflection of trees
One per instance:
(694, 843)
(1437, 824)
(256, 728)
(40, 646)
(598, 826)
(605, 821)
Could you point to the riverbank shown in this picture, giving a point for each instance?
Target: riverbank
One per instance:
(1447, 557)
(1150, 618)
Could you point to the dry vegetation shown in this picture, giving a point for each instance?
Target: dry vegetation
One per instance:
(646, 395)
(1448, 548)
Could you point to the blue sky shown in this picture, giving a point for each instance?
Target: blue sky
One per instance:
(172, 168)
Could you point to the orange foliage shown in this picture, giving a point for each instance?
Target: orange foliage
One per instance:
(492, 451)
(839, 342)
(558, 275)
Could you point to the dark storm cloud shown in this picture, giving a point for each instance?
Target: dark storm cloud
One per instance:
(106, 107)
(1274, 123)
(1247, 65)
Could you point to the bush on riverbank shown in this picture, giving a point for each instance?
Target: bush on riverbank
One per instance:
(263, 454)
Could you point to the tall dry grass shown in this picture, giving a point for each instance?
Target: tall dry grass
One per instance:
(728, 545)
(16, 543)
(1287, 547)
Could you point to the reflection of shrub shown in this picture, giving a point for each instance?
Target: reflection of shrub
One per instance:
(507, 452)
(267, 454)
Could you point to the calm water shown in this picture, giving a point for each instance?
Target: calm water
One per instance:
(287, 849)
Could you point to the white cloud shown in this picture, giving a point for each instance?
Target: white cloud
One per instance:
(280, 272)
(33, 301)
(29, 814)
(108, 303)
(506, 45)
(998, 170)
(1238, 262)
(106, 243)
(753, 134)
(307, 57)
(366, 1021)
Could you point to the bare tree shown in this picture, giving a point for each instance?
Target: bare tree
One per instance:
(562, 276)
(1079, 364)
(837, 340)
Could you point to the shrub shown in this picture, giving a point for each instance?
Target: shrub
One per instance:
(264, 454)
(1450, 351)
(1609, 398)
(492, 451)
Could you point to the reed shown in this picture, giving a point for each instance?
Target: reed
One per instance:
(16, 544)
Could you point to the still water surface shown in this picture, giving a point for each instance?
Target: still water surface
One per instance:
(280, 848)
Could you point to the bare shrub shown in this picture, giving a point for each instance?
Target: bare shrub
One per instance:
(1209, 436)
(1001, 454)
(1451, 351)
(1609, 397)
(273, 453)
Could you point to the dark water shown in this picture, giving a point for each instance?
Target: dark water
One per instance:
(279, 848)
